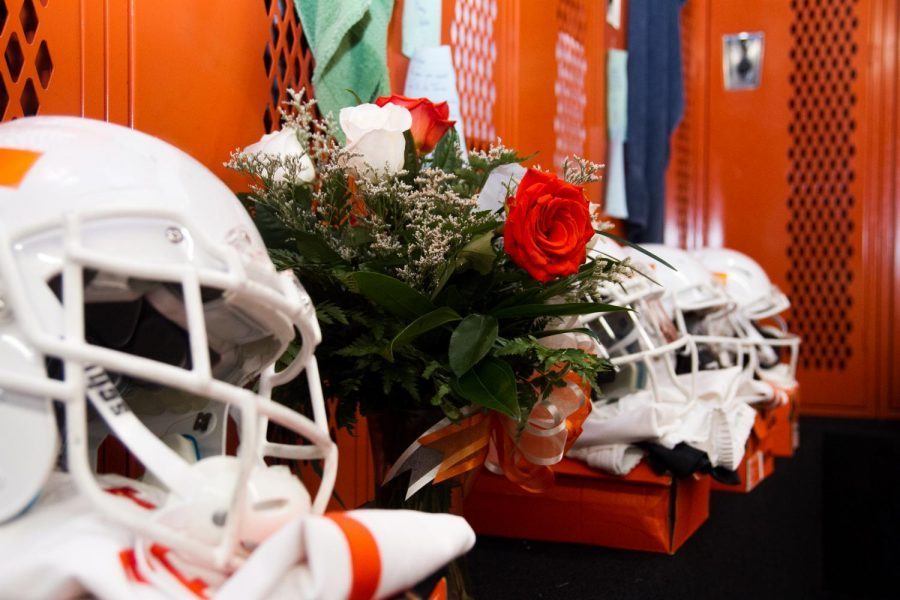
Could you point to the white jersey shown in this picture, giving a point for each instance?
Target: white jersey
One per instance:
(62, 548)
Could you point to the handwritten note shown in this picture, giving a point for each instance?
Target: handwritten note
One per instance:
(431, 75)
(421, 25)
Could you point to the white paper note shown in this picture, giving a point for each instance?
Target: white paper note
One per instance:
(421, 25)
(617, 125)
(431, 75)
(616, 205)
(617, 92)
(496, 189)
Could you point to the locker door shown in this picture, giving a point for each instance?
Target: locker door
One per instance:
(797, 174)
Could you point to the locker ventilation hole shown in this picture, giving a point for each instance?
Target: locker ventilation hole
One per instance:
(474, 56)
(569, 88)
(15, 58)
(287, 59)
(26, 68)
(28, 18)
(824, 56)
(29, 99)
(4, 97)
(44, 64)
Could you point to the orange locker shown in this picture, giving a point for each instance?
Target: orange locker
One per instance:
(204, 78)
(530, 73)
(801, 174)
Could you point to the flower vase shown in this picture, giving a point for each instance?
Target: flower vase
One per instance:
(390, 433)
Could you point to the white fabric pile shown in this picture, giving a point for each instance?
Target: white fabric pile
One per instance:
(62, 548)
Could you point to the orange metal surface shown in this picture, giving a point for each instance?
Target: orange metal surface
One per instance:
(884, 221)
(197, 75)
(527, 44)
(686, 198)
(801, 174)
(642, 511)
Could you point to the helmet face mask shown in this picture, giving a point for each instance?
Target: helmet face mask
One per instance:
(643, 343)
(158, 282)
(757, 301)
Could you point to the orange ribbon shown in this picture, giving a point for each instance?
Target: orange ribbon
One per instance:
(440, 590)
(553, 426)
(365, 560)
(495, 440)
(464, 445)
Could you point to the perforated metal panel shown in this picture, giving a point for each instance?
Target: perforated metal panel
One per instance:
(287, 59)
(683, 157)
(569, 87)
(823, 169)
(474, 56)
(27, 62)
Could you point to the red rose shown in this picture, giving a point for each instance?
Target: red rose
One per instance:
(548, 226)
(429, 120)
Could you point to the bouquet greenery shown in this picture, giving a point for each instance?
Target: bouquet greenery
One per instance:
(425, 298)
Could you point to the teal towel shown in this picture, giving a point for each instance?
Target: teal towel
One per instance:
(348, 39)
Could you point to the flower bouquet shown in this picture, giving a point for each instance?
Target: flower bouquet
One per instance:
(436, 307)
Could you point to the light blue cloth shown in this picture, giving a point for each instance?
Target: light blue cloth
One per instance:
(348, 39)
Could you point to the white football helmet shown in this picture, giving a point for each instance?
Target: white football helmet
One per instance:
(702, 310)
(641, 343)
(129, 274)
(667, 398)
(757, 299)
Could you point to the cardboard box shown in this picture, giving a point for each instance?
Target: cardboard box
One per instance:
(642, 511)
(758, 462)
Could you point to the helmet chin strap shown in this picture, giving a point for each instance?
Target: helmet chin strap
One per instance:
(158, 458)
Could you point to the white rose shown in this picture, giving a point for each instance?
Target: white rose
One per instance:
(375, 137)
(284, 143)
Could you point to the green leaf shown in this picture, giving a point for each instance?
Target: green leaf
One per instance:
(273, 231)
(479, 253)
(423, 324)
(471, 341)
(410, 155)
(445, 274)
(554, 310)
(637, 247)
(302, 195)
(491, 384)
(392, 295)
(355, 95)
(314, 249)
(446, 152)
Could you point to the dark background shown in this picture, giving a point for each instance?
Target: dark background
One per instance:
(825, 525)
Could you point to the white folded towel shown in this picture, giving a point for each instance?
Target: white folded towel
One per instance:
(617, 459)
(717, 420)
